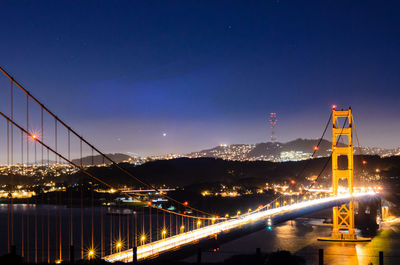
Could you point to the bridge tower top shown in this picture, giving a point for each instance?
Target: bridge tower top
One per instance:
(342, 147)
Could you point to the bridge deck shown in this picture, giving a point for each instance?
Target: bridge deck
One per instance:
(191, 237)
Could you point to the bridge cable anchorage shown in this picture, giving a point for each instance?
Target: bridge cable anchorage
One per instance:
(304, 168)
(23, 131)
(101, 153)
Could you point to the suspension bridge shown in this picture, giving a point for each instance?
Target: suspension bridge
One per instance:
(65, 221)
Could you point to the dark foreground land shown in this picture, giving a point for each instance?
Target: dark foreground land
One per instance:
(274, 258)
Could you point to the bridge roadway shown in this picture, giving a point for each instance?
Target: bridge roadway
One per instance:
(174, 243)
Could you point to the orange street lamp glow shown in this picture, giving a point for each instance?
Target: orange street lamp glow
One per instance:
(90, 254)
(142, 239)
(163, 233)
(118, 245)
(316, 148)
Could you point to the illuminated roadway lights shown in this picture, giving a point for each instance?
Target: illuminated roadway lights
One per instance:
(182, 228)
(142, 239)
(163, 233)
(91, 254)
(118, 246)
(58, 261)
(189, 237)
(198, 224)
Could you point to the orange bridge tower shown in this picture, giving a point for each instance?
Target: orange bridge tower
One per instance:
(343, 215)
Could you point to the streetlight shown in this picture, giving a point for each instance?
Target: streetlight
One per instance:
(90, 254)
(118, 245)
(142, 239)
(163, 233)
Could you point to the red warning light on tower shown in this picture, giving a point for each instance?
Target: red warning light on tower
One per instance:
(273, 120)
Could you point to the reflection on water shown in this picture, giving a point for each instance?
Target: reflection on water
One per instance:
(300, 237)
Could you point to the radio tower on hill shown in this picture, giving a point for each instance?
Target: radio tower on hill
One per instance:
(273, 120)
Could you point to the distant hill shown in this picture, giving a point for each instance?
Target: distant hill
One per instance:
(185, 172)
(264, 150)
(98, 159)
(272, 150)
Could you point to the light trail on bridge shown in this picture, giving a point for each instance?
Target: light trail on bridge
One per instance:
(191, 237)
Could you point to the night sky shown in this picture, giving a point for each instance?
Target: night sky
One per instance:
(123, 73)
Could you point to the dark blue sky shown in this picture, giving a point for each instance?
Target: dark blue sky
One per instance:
(207, 72)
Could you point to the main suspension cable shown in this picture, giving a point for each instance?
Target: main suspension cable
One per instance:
(143, 182)
(98, 179)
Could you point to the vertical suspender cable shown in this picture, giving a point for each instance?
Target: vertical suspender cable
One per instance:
(9, 195)
(36, 212)
(22, 212)
(12, 166)
(27, 166)
(82, 183)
